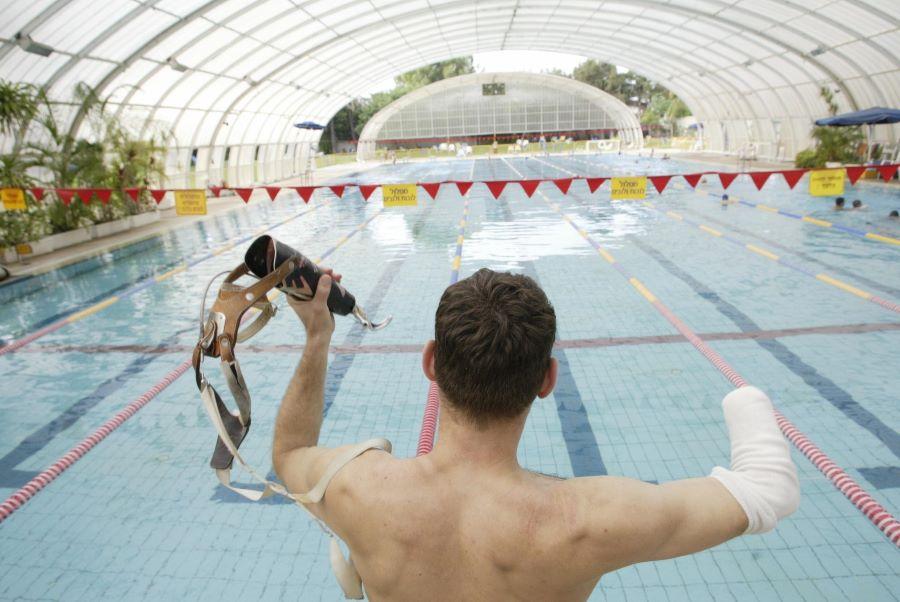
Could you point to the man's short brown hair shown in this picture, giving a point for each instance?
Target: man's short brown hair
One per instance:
(494, 332)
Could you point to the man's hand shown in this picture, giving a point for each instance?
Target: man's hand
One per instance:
(314, 314)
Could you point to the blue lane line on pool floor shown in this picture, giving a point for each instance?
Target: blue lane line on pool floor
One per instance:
(882, 477)
(581, 442)
(828, 389)
(40, 438)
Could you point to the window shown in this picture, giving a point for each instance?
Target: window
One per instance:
(493, 89)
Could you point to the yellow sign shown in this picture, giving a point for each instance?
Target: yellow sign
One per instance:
(190, 202)
(826, 182)
(13, 199)
(23, 248)
(400, 195)
(629, 189)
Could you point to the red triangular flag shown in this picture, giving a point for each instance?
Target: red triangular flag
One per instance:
(463, 187)
(855, 172)
(366, 190)
(158, 195)
(85, 195)
(660, 182)
(103, 194)
(529, 186)
(37, 193)
(338, 190)
(692, 178)
(65, 195)
(727, 178)
(563, 184)
(595, 183)
(496, 187)
(792, 176)
(887, 171)
(305, 192)
(133, 193)
(244, 193)
(273, 191)
(216, 190)
(432, 188)
(760, 178)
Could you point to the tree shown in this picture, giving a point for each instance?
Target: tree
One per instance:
(352, 118)
(630, 88)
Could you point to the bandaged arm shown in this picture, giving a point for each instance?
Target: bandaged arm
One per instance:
(762, 477)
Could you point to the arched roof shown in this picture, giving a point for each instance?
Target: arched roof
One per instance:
(468, 88)
(224, 72)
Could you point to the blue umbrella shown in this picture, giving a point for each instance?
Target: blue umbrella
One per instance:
(309, 125)
(873, 116)
(869, 117)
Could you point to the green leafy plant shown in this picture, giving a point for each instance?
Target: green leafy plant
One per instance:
(833, 144)
(18, 106)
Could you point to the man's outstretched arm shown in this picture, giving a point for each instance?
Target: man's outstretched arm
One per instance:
(640, 521)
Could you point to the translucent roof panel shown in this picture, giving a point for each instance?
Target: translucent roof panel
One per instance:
(729, 60)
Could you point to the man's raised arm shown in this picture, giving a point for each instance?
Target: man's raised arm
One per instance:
(297, 460)
(638, 521)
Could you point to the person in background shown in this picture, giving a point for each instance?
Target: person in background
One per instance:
(857, 204)
(725, 200)
(839, 203)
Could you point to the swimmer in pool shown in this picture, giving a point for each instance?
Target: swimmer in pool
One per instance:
(725, 200)
(839, 203)
(894, 214)
(858, 204)
(466, 521)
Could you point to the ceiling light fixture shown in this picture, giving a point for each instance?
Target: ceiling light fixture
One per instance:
(28, 45)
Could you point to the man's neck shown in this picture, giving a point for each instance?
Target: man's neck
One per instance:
(493, 447)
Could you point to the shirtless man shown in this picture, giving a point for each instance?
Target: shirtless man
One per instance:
(466, 522)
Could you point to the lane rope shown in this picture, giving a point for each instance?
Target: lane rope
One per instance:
(432, 404)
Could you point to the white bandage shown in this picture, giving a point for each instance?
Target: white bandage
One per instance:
(763, 478)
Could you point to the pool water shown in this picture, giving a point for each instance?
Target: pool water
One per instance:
(141, 517)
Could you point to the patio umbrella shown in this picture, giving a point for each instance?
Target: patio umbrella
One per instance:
(868, 117)
(309, 125)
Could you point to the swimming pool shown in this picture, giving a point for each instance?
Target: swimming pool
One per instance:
(141, 517)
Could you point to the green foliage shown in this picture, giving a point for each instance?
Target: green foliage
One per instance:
(116, 159)
(18, 106)
(630, 88)
(807, 158)
(833, 143)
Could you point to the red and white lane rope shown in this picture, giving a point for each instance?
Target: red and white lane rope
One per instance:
(20, 497)
(429, 421)
(858, 496)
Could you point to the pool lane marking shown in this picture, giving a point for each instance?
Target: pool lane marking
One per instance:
(30, 489)
(39, 438)
(763, 252)
(431, 415)
(583, 343)
(578, 433)
(141, 285)
(859, 497)
(815, 221)
(806, 257)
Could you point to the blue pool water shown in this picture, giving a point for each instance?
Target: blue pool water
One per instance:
(141, 517)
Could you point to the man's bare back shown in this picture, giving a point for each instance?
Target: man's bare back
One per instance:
(421, 531)
(466, 522)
